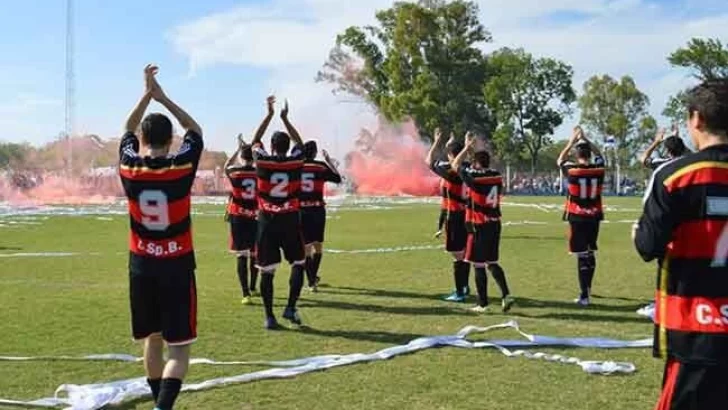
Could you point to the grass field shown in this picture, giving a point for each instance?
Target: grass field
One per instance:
(78, 304)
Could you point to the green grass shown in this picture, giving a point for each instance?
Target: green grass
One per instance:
(79, 305)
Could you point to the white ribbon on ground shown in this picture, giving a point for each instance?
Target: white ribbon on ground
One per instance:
(647, 311)
(96, 396)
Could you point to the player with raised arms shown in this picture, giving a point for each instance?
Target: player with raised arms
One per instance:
(162, 266)
(279, 215)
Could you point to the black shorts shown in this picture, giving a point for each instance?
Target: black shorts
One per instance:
(313, 220)
(164, 301)
(583, 236)
(456, 236)
(484, 243)
(694, 387)
(243, 232)
(276, 232)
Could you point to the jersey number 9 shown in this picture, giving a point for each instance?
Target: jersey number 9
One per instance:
(154, 208)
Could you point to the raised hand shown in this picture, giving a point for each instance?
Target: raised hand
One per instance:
(578, 133)
(675, 130)
(241, 140)
(284, 111)
(660, 135)
(271, 102)
(438, 135)
(326, 155)
(149, 72)
(470, 140)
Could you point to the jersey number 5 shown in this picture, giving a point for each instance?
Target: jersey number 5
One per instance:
(307, 182)
(584, 191)
(154, 208)
(279, 180)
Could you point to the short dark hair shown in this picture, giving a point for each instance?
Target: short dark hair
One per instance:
(675, 146)
(246, 152)
(454, 148)
(710, 100)
(583, 150)
(482, 158)
(310, 150)
(280, 143)
(156, 130)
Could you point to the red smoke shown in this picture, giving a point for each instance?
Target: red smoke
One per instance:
(391, 162)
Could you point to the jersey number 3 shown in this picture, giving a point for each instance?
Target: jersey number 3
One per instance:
(154, 208)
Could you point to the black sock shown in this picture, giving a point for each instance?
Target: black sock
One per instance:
(457, 274)
(481, 283)
(253, 273)
(243, 274)
(500, 278)
(317, 263)
(310, 271)
(168, 393)
(266, 292)
(154, 384)
(296, 284)
(592, 262)
(584, 277)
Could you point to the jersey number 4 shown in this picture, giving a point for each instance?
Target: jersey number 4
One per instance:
(584, 191)
(154, 208)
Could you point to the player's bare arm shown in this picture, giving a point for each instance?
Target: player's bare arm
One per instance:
(470, 141)
(292, 131)
(572, 141)
(236, 155)
(184, 119)
(653, 146)
(135, 117)
(435, 146)
(330, 162)
(263, 127)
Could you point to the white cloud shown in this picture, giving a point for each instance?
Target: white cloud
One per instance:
(291, 39)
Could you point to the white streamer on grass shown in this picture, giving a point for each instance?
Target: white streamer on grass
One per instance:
(96, 396)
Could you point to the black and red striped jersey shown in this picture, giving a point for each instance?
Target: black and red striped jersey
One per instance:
(279, 180)
(244, 195)
(685, 226)
(485, 189)
(586, 183)
(314, 176)
(158, 193)
(452, 189)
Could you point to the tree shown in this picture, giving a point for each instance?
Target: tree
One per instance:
(529, 96)
(707, 59)
(12, 154)
(616, 109)
(422, 60)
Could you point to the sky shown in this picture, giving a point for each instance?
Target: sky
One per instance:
(219, 59)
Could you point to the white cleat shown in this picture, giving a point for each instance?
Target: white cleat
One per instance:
(479, 309)
(583, 302)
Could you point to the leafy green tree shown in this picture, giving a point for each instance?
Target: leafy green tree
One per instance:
(12, 154)
(529, 96)
(422, 60)
(616, 109)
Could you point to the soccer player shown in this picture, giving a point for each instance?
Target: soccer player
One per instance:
(583, 206)
(157, 185)
(685, 227)
(314, 176)
(674, 146)
(453, 203)
(483, 218)
(279, 217)
(242, 213)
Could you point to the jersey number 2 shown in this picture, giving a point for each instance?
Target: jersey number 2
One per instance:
(583, 189)
(279, 180)
(154, 207)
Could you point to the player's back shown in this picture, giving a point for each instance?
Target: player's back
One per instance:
(314, 176)
(452, 189)
(485, 189)
(158, 192)
(279, 181)
(244, 194)
(692, 308)
(585, 185)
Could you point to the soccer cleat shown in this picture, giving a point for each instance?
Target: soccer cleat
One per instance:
(292, 316)
(583, 302)
(312, 289)
(246, 301)
(454, 297)
(479, 309)
(271, 323)
(507, 303)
